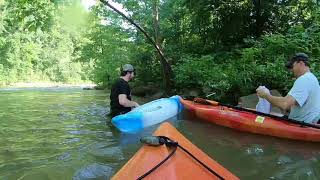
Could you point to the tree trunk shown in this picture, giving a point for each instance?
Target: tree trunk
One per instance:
(258, 18)
(166, 68)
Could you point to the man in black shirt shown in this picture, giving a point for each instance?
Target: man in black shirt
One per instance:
(120, 96)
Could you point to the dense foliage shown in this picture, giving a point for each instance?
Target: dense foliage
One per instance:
(38, 40)
(229, 47)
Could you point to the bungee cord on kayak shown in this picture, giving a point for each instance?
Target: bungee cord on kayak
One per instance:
(160, 140)
(169, 158)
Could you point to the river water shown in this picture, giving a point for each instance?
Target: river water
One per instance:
(64, 133)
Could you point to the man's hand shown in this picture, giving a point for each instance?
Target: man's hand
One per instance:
(261, 93)
(135, 104)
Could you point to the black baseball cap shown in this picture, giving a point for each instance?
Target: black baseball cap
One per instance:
(297, 58)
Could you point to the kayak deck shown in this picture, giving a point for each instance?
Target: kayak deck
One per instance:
(179, 166)
(250, 122)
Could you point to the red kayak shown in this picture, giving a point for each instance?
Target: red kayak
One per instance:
(251, 122)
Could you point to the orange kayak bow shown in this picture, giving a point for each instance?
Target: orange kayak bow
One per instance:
(179, 166)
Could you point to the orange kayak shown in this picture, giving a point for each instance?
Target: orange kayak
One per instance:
(251, 122)
(179, 166)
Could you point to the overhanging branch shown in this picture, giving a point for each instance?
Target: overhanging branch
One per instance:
(137, 26)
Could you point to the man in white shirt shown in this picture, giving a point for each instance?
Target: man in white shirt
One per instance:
(303, 100)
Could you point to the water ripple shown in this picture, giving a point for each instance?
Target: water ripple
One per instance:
(93, 171)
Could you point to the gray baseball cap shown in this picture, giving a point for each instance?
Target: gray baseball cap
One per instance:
(297, 57)
(127, 67)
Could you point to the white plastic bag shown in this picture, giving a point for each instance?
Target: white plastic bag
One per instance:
(263, 105)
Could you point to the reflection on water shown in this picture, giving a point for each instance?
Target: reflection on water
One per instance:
(54, 133)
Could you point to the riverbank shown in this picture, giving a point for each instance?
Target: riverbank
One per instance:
(49, 85)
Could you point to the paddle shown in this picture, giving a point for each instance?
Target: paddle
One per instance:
(215, 103)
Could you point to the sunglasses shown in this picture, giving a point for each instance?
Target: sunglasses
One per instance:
(289, 65)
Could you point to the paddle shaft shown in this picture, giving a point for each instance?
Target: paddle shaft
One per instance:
(214, 103)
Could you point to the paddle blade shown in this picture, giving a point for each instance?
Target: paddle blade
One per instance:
(215, 103)
(204, 101)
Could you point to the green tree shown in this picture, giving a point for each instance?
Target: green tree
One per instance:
(107, 47)
(38, 41)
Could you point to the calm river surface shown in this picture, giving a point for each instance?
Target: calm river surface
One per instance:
(61, 133)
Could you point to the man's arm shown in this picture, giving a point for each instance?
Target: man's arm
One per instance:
(284, 103)
(124, 101)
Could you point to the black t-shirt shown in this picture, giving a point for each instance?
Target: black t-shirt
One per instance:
(119, 87)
